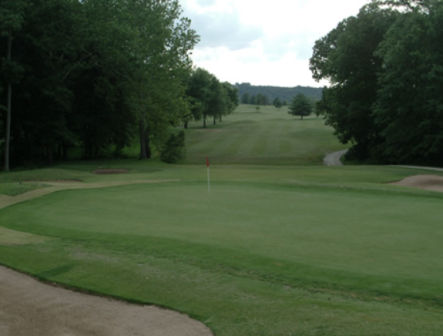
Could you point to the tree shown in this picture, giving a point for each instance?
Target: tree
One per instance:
(300, 106)
(199, 89)
(231, 98)
(160, 48)
(99, 68)
(277, 103)
(245, 97)
(11, 21)
(346, 57)
(262, 99)
(409, 106)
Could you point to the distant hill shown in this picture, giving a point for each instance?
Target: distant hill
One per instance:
(283, 93)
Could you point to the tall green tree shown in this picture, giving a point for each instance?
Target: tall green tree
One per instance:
(409, 106)
(50, 33)
(346, 57)
(11, 21)
(277, 103)
(230, 95)
(200, 91)
(97, 67)
(300, 106)
(160, 45)
(262, 99)
(245, 97)
(209, 97)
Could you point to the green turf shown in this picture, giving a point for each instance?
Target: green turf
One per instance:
(270, 136)
(279, 246)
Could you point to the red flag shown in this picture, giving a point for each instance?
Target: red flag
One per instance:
(207, 162)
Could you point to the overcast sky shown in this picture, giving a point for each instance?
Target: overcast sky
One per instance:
(263, 42)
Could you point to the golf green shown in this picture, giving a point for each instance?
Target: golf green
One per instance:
(350, 236)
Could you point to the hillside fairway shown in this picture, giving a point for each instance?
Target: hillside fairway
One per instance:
(267, 136)
(274, 249)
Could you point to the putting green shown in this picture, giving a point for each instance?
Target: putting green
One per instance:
(349, 233)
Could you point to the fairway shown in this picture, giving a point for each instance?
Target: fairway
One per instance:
(267, 136)
(280, 246)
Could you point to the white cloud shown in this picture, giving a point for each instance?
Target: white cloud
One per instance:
(264, 43)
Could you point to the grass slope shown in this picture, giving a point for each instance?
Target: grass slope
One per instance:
(267, 136)
(277, 248)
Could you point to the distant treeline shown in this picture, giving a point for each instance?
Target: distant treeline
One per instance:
(248, 93)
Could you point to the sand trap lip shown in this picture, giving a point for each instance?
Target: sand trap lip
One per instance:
(50, 181)
(110, 171)
(427, 182)
(30, 307)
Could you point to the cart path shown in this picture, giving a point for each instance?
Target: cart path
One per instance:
(333, 159)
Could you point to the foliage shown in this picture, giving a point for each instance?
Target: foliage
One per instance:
(346, 57)
(385, 71)
(409, 107)
(173, 151)
(300, 106)
(277, 103)
(99, 70)
(209, 97)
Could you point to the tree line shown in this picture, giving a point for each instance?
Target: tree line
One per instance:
(266, 95)
(386, 71)
(94, 73)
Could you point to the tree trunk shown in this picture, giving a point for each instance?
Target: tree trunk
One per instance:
(204, 121)
(215, 121)
(148, 143)
(8, 113)
(65, 152)
(186, 125)
(50, 154)
(143, 155)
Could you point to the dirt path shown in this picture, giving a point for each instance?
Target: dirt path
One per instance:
(29, 307)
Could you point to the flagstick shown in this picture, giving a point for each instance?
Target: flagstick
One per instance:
(209, 185)
(207, 166)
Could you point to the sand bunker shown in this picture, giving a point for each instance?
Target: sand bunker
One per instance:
(110, 171)
(428, 182)
(29, 307)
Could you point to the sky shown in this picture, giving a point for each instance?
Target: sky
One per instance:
(263, 42)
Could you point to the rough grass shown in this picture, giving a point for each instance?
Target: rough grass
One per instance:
(13, 237)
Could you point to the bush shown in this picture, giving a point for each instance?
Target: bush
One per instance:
(173, 150)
